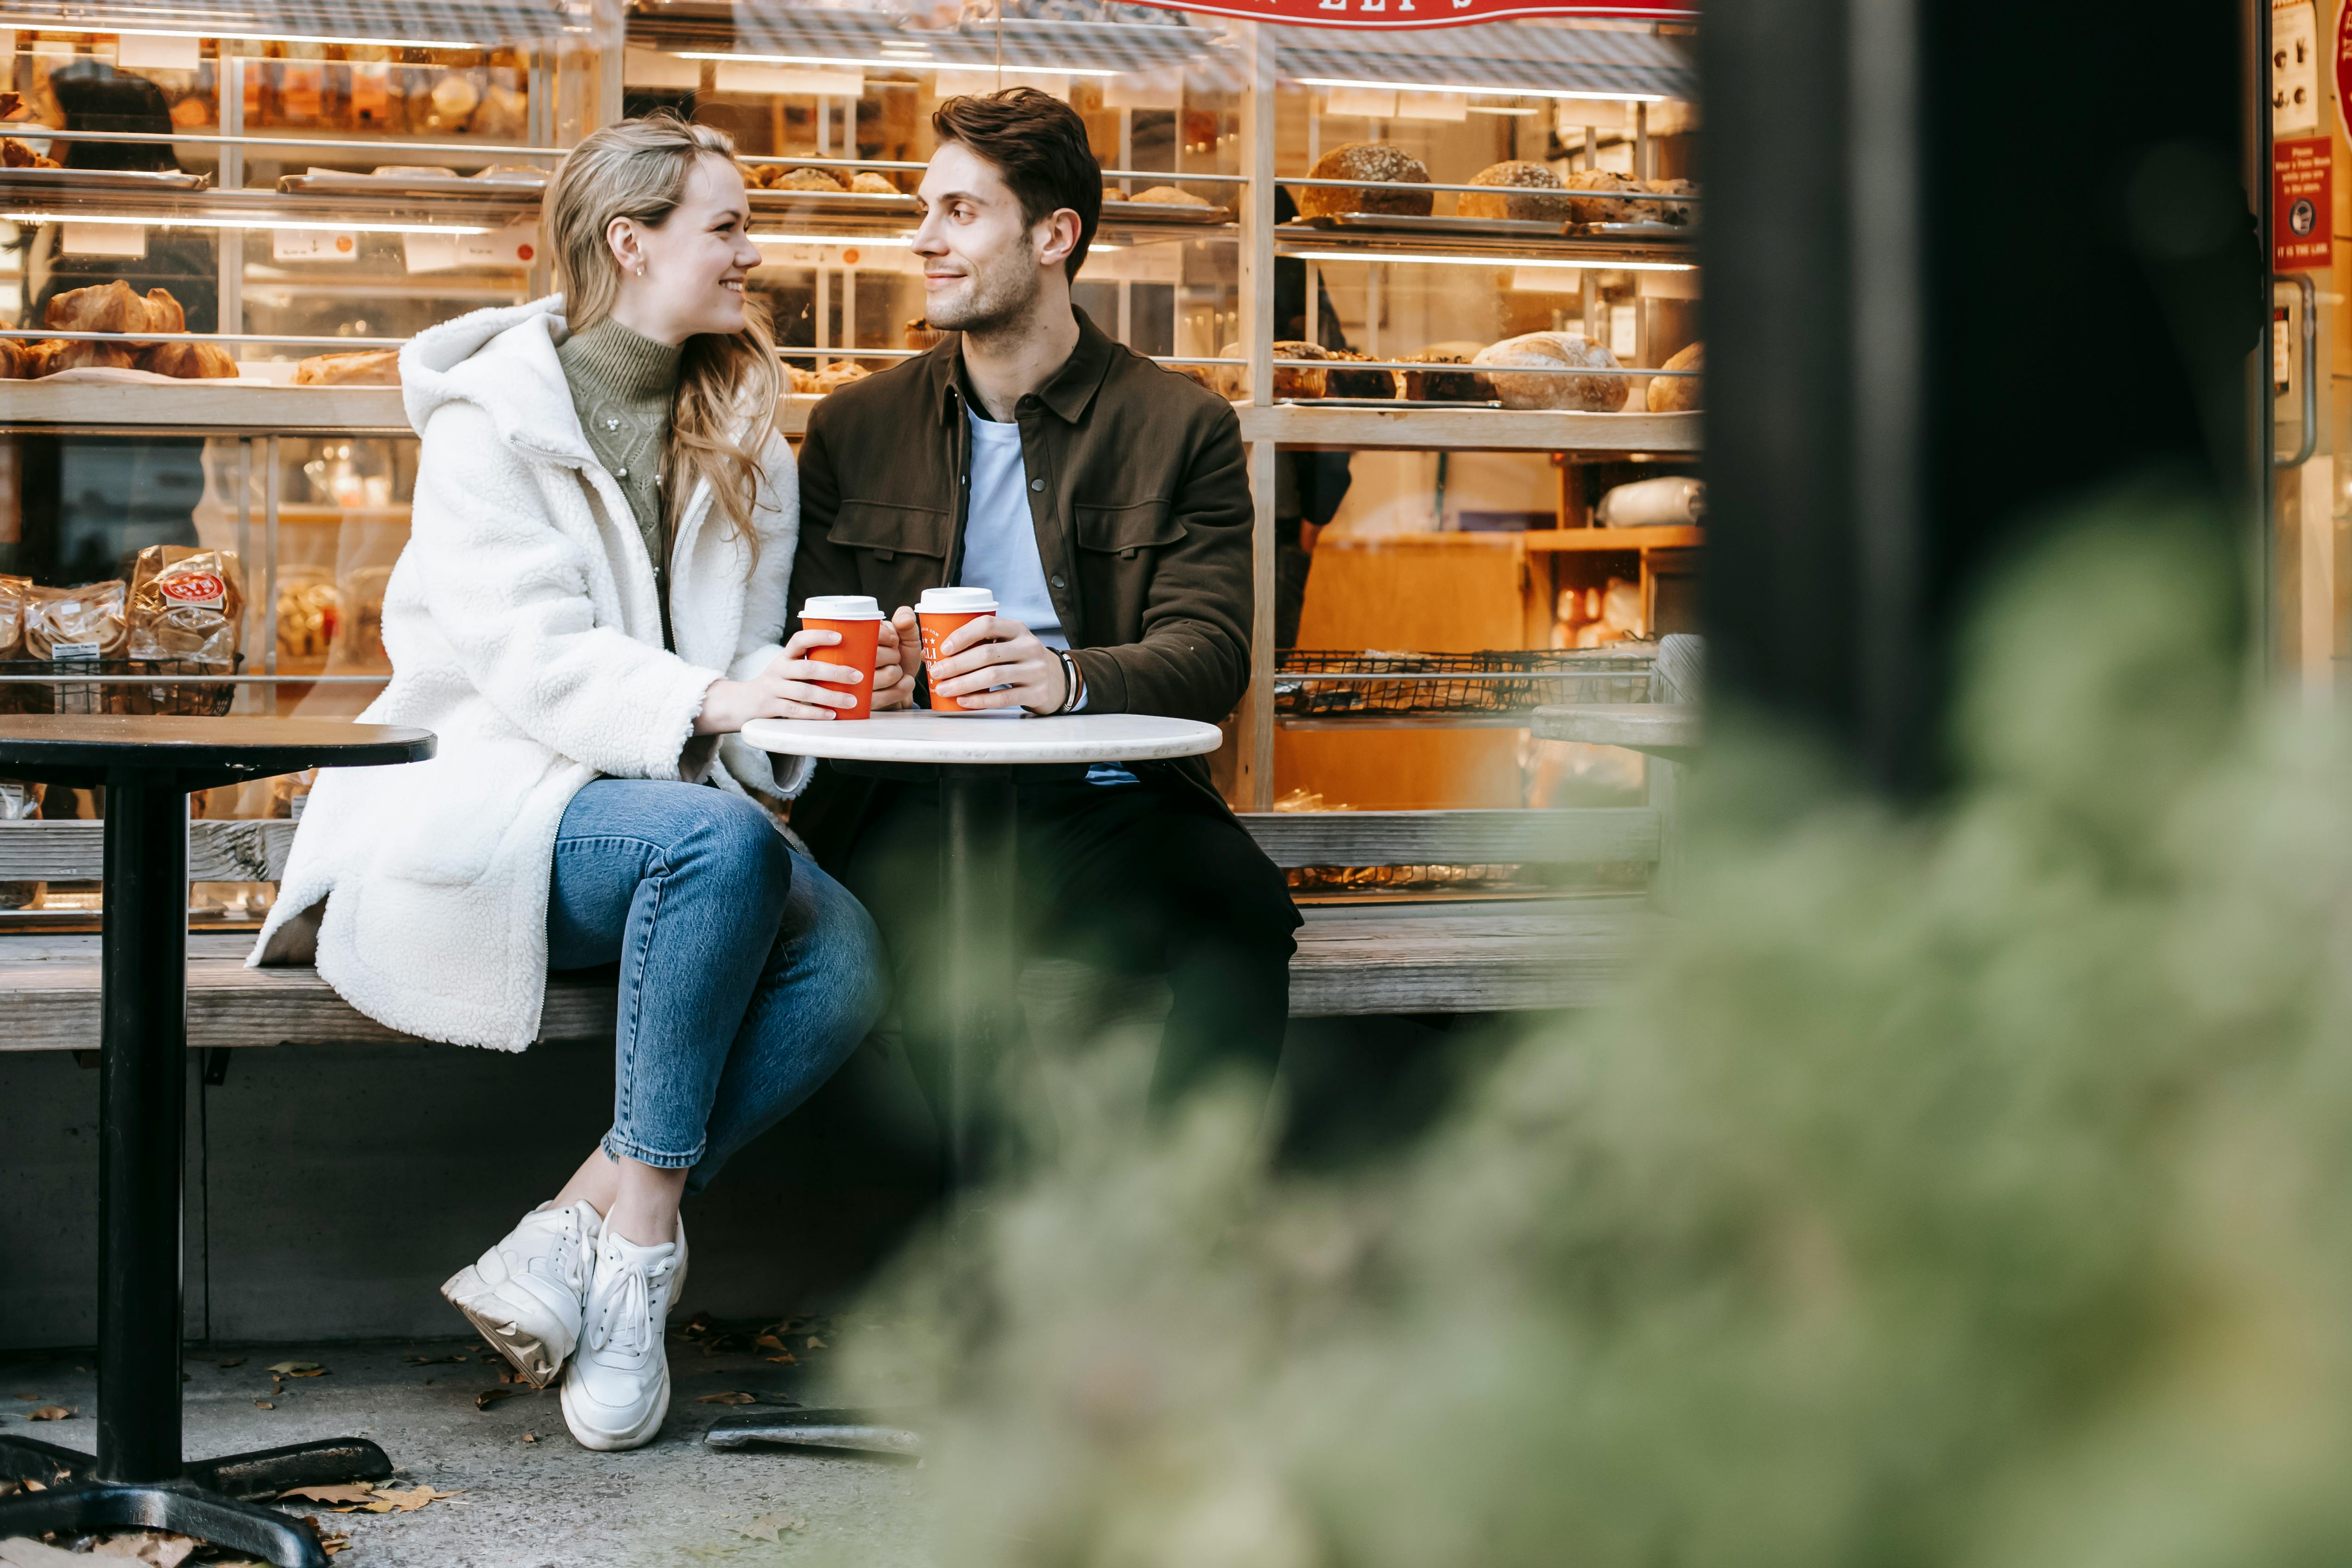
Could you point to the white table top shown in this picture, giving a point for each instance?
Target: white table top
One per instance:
(919, 736)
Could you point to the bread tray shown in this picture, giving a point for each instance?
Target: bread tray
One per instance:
(1404, 222)
(104, 179)
(1385, 403)
(329, 183)
(837, 204)
(1651, 230)
(1163, 211)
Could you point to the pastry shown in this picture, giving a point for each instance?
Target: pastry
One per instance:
(1168, 196)
(309, 609)
(185, 604)
(113, 308)
(503, 116)
(15, 359)
(1294, 380)
(372, 367)
(1530, 197)
(805, 180)
(920, 334)
(1392, 166)
(1593, 209)
(1669, 393)
(188, 361)
(82, 354)
(1337, 382)
(405, 172)
(86, 622)
(1591, 394)
(39, 358)
(1441, 386)
(834, 377)
(164, 313)
(1669, 212)
(866, 183)
(14, 154)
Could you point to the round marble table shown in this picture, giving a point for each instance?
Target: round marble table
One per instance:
(977, 758)
(148, 767)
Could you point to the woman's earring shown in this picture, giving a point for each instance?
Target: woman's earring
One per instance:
(641, 269)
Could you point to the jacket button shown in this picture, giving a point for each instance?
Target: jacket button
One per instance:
(1036, 484)
(1055, 581)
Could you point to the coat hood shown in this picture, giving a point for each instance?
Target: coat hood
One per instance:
(502, 360)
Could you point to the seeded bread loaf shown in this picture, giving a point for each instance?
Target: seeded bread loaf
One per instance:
(1670, 393)
(1397, 171)
(1530, 194)
(1598, 209)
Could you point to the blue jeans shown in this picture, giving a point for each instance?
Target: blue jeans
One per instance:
(747, 974)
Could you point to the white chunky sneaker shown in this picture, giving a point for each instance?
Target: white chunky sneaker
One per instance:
(617, 1390)
(527, 1293)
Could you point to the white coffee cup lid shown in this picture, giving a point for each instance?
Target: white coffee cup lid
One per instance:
(956, 601)
(840, 607)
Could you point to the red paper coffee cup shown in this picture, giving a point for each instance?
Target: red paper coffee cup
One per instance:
(858, 619)
(939, 611)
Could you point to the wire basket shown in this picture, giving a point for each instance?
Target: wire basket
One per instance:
(67, 686)
(1326, 683)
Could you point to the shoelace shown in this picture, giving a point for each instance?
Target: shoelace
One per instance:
(632, 1304)
(565, 1267)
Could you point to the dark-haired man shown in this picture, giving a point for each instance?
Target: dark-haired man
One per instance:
(1105, 502)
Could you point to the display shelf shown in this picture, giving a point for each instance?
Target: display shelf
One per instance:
(1663, 536)
(202, 407)
(1407, 721)
(1471, 430)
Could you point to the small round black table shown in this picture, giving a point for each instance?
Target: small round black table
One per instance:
(138, 1479)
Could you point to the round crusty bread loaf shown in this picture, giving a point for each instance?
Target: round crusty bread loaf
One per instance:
(1672, 393)
(1169, 196)
(1519, 176)
(866, 183)
(1392, 166)
(1546, 351)
(805, 180)
(1289, 380)
(1592, 209)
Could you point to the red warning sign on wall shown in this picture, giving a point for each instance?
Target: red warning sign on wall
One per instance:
(2303, 189)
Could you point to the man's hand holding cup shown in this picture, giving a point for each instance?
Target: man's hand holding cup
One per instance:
(979, 660)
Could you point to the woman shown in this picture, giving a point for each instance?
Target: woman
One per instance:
(588, 610)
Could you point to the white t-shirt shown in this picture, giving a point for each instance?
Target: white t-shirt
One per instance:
(1000, 548)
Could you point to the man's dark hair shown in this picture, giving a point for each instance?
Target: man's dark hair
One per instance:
(1039, 144)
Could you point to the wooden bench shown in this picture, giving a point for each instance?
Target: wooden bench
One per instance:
(1458, 956)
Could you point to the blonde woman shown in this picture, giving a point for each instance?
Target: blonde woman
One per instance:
(591, 605)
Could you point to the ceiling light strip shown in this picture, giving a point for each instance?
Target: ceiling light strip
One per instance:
(1494, 261)
(325, 226)
(1571, 94)
(1016, 66)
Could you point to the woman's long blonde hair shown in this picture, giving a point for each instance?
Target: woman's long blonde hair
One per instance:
(638, 169)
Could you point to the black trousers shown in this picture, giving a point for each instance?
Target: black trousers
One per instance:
(1137, 879)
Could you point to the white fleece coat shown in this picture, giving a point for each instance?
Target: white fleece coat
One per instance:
(525, 633)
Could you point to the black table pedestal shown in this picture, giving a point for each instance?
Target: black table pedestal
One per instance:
(137, 1480)
(977, 892)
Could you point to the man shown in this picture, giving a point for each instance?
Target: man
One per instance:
(1105, 502)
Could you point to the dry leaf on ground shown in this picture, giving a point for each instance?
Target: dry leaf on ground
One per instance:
(491, 1396)
(230, 1361)
(437, 1360)
(771, 1526)
(727, 1399)
(263, 1405)
(348, 1491)
(298, 1369)
(330, 1541)
(531, 1436)
(158, 1549)
(815, 1343)
(787, 1359)
(51, 1412)
(408, 1502)
(769, 1342)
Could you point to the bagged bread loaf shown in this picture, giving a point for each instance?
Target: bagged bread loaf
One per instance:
(1548, 351)
(188, 361)
(375, 367)
(85, 622)
(1531, 192)
(1670, 393)
(11, 615)
(1397, 171)
(185, 604)
(1649, 503)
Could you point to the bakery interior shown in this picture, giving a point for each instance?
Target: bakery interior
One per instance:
(1462, 261)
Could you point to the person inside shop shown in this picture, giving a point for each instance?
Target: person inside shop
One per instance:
(1104, 503)
(591, 605)
(1309, 482)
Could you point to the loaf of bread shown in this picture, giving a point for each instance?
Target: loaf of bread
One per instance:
(817, 383)
(11, 615)
(866, 183)
(1548, 351)
(1598, 209)
(187, 361)
(185, 604)
(86, 622)
(1339, 383)
(1530, 194)
(1168, 196)
(1672, 393)
(374, 367)
(1668, 212)
(920, 334)
(1441, 386)
(1396, 169)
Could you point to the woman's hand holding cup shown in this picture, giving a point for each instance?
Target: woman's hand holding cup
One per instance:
(794, 686)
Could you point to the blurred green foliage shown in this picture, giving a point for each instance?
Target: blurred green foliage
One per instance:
(1971, 1186)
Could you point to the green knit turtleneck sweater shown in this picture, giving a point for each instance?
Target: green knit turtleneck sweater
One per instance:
(622, 383)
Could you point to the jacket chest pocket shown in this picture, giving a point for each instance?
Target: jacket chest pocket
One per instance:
(1124, 530)
(887, 530)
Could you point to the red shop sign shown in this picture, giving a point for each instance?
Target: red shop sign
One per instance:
(2303, 203)
(1430, 12)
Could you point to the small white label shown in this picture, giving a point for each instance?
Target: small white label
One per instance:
(295, 804)
(103, 238)
(74, 650)
(1547, 280)
(313, 244)
(1370, 102)
(158, 52)
(1623, 330)
(429, 252)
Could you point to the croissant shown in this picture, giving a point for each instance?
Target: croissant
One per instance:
(12, 359)
(100, 308)
(189, 361)
(163, 313)
(81, 353)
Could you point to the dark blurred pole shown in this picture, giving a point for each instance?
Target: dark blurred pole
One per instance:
(1966, 263)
